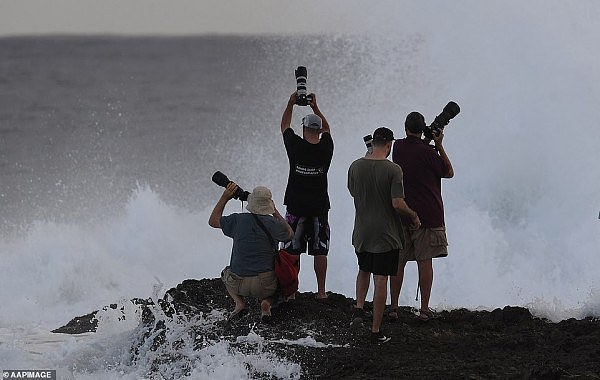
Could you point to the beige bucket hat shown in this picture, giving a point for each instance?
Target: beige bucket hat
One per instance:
(260, 201)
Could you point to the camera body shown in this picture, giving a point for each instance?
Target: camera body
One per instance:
(302, 99)
(222, 180)
(449, 112)
(368, 139)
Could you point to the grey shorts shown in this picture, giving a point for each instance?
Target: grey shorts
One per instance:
(262, 286)
(424, 244)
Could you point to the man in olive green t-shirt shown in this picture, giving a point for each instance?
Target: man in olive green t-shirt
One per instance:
(375, 183)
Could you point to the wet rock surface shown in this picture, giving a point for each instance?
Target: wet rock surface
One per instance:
(503, 343)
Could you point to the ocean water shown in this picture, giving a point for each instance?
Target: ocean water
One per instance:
(108, 144)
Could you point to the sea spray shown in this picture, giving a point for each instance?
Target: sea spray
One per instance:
(149, 339)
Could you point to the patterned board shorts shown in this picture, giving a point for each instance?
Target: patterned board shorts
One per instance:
(310, 233)
(424, 244)
(262, 286)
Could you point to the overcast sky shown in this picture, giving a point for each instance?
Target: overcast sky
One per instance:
(19, 17)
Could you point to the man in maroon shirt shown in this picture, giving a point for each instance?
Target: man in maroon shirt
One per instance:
(424, 166)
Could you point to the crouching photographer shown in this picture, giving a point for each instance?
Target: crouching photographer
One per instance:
(251, 269)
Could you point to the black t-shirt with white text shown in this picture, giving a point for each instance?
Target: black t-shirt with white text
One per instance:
(306, 191)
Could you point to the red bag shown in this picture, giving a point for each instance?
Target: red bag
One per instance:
(287, 266)
(286, 271)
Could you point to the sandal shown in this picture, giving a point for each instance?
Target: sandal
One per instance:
(237, 314)
(266, 319)
(392, 314)
(426, 315)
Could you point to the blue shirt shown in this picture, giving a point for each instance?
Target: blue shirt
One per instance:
(252, 252)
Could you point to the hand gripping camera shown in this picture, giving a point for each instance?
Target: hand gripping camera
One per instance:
(302, 99)
(450, 111)
(222, 180)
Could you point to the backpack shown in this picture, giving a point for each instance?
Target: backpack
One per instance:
(286, 266)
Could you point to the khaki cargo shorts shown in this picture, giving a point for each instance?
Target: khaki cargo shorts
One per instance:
(424, 244)
(262, 286)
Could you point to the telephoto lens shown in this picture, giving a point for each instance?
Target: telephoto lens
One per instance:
(368, 139)
(222, 180)
(449, 112)
(301, 76)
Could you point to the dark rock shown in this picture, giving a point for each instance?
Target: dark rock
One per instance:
(504, 343)
(515, 315)
(79, 325)
(88, 322)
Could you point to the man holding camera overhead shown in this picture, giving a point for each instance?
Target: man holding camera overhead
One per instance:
(423, 168)
(306, 195)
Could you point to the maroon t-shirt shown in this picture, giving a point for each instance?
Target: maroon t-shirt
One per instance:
(423, 172)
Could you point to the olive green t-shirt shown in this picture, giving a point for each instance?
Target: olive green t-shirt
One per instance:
(373, 184)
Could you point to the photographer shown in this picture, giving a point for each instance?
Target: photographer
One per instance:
(306, 194)
(376, 186)
(424, 166)
(251, 269)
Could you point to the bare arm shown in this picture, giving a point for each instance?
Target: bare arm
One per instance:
(402, 208)
(286, 119)
(440, 148)
(215, 217)
(317, 111)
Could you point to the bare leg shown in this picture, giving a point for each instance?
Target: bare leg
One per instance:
(362, 287)
(239, 302)
(265, 306)
(396, 284)
(425, 282)
(320, 265)
(379, 298)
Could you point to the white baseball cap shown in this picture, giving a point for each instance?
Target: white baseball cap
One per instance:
(312, 121)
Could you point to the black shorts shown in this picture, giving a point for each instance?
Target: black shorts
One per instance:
(384, 263)
(310, 232)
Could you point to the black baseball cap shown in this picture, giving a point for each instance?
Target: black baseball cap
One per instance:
(383, 134)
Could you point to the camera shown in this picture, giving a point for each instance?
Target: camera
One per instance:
(368, 139)
(302, 99)
(450, 111)
(222, 180)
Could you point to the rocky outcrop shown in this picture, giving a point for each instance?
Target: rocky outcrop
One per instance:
(503, 343)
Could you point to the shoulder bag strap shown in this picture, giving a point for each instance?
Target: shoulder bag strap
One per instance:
(262, 226)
